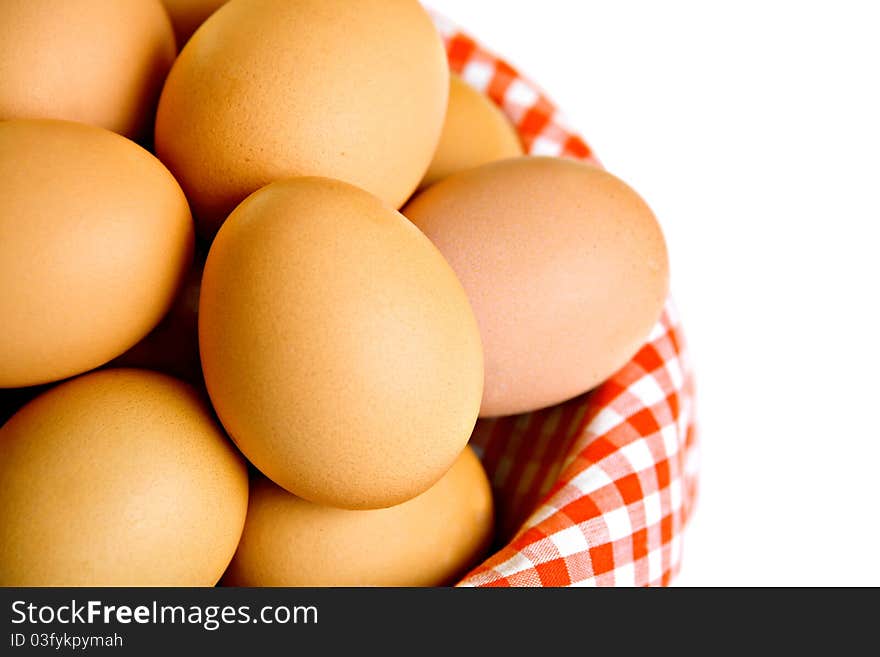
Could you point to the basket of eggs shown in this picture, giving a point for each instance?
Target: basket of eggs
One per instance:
(359, 309)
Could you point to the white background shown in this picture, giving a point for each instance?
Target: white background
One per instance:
(753, 130)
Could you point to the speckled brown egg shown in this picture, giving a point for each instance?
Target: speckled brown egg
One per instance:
(187, 15)
(430, 540)
(564, 264)
(269, 89)
(337, 345)
(476, 131)
(95, 239)
(118, 478)
(100, 62)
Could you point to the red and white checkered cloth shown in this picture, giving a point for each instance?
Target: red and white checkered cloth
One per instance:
(595, 491)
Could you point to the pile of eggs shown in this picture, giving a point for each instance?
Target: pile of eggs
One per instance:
(255, 295)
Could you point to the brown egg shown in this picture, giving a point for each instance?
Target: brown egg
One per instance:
(95, 239)
(431, 540)
(100, 62)
(337, 345)
(476, 131)
(118, 478)
(187, 15)
(269, 89)
(173, 346)
(564, 264)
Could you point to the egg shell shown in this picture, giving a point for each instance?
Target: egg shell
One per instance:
(118, 478)
(187, 15)
(475, 132)
(337, 345)
(101, 62)
(95, 239)
(564, 264)
(269, 89)
(430, 540)
(173, 346)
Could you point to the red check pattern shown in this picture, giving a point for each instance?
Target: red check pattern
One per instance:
(595, 491)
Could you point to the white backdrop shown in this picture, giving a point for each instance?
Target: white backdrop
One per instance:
(753, 130)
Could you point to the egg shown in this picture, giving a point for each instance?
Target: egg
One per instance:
(100, 62)
(187, 15)
(173, 346)
(475, 132)
(118, 478)
(564, 264)
(338, 346)
(270, 89)
(430, 540)
(95, 239)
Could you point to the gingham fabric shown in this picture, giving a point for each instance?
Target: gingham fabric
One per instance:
(595, 491)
